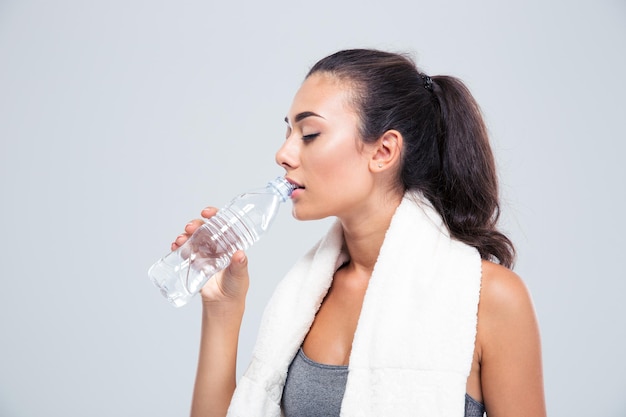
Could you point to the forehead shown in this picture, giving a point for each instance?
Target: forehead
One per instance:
(323, 94)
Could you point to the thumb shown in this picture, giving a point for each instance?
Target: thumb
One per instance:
(238, 268)
(235, 280)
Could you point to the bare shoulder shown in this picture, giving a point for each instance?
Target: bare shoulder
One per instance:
(503, 291)
(508, 345)
(506, 310)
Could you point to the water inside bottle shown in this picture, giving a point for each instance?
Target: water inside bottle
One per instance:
(182, 273)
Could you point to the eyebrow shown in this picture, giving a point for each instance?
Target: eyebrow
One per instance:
(301, 116)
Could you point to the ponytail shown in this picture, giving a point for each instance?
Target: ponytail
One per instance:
(446, 152)
(467, 193)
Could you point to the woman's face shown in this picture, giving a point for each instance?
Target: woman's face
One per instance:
(323, 152)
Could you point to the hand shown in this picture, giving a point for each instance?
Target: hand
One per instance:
(191, 227)
(229, 285)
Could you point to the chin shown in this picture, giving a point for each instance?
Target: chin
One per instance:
(304, 215)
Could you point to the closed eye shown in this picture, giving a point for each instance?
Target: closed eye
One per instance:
(310, 137)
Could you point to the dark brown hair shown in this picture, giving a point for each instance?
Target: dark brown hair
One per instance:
(446, 153)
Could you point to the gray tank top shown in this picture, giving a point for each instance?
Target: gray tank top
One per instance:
(316, 390)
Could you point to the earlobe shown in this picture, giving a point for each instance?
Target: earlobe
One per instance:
(388, 151)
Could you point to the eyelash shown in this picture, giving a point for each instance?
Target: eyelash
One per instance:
(310, 137)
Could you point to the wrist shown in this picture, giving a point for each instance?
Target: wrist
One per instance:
(231, 310)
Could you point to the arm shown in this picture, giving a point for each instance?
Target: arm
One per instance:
(223, 304)
(509, 346)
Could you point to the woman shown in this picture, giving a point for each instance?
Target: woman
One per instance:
(408, 305)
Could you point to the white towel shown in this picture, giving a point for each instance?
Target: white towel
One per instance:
(414, 343)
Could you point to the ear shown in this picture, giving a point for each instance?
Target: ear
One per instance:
(387, 151)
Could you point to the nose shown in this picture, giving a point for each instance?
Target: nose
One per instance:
(287, 155)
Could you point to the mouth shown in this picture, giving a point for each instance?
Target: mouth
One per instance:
(296, 186)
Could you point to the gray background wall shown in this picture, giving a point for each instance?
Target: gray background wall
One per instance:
(120, 120)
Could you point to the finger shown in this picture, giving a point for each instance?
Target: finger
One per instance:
(208, 212)
(239, 260)
(192, 226)
(179, 241)
(238, 268)
(232, 282)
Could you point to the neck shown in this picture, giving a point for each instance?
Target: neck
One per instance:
(364, 232)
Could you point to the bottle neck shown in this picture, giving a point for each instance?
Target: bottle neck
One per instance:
(282, 187)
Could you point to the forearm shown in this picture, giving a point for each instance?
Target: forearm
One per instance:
(217, 362)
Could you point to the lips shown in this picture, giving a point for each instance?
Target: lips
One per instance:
(297, 187)
(295, 184)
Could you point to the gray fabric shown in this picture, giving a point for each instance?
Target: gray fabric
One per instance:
(313, 389)
(473, 408)
(316, 390)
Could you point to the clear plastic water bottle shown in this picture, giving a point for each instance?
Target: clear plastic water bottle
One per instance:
(182, 273)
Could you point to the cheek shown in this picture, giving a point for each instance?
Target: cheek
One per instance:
(338, 155)
(332, 169)
(341, 174)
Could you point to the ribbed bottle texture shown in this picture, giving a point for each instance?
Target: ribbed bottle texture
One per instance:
(182, 273)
